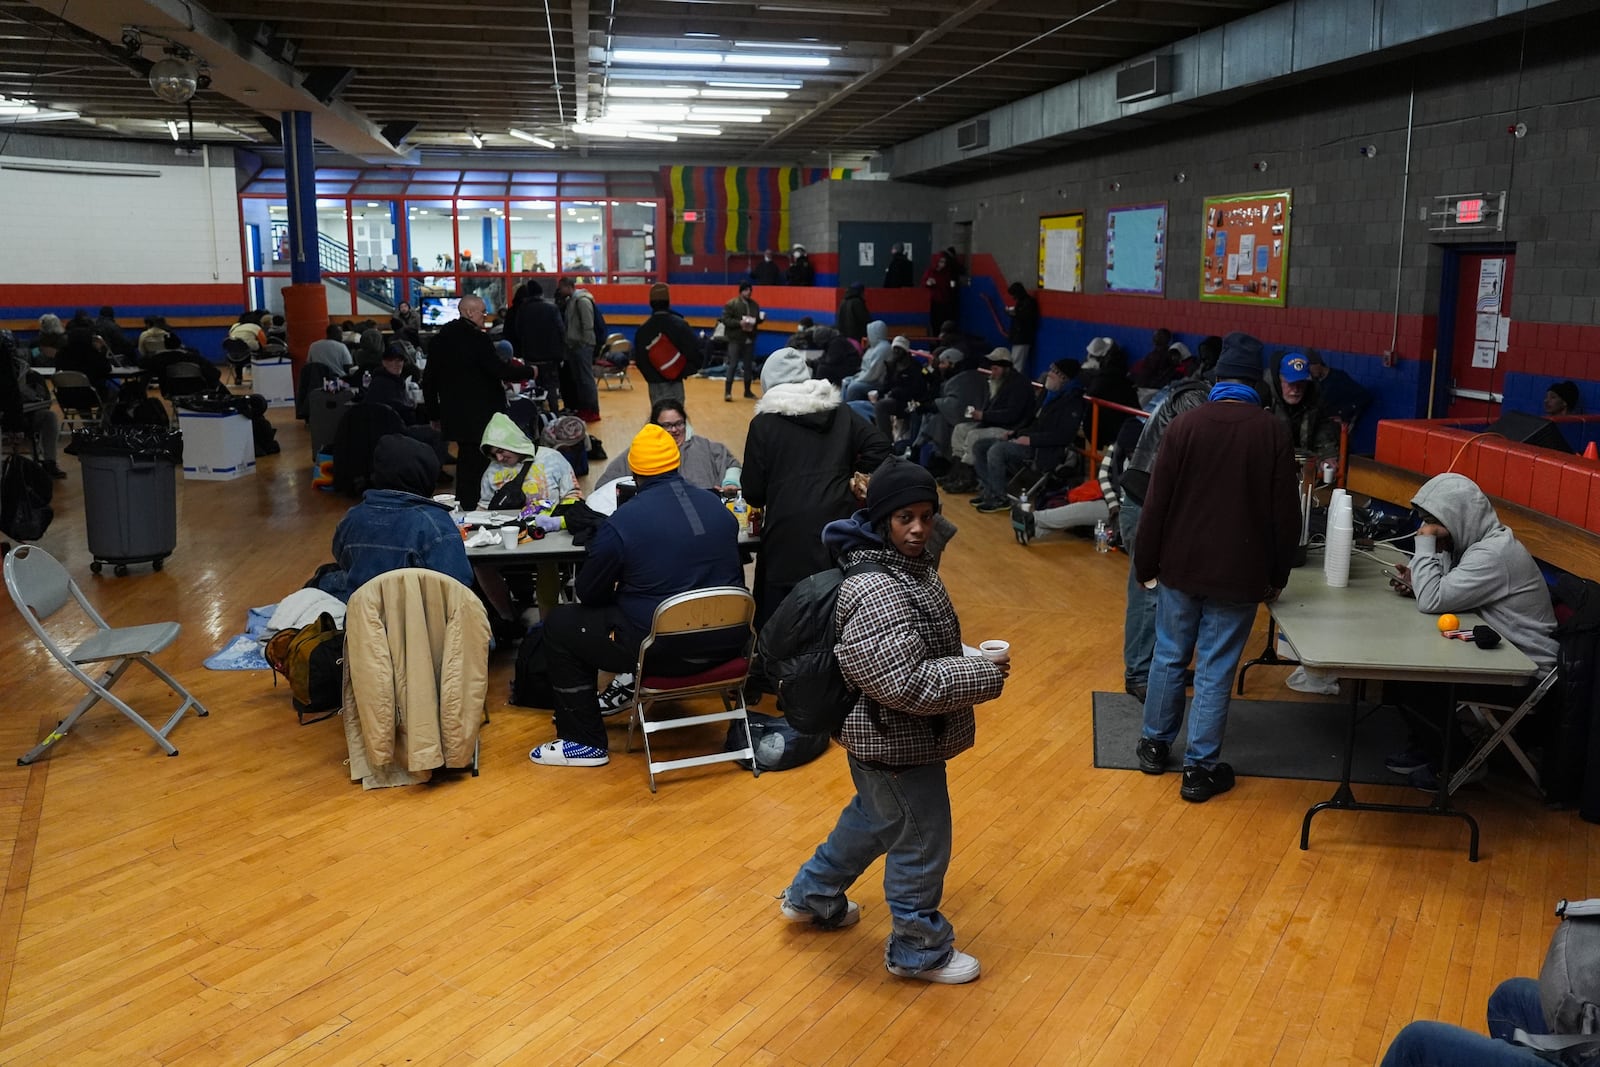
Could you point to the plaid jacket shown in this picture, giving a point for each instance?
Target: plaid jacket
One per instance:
(900, 644)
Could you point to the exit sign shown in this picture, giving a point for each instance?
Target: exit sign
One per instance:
(691, 216)
(1469, 211)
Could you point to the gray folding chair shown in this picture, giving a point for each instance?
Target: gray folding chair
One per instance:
(727, 608)
(79, 401)
(40, 587)
(1499, 730)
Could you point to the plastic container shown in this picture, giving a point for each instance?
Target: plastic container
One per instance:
(1102, 536)
(130, 510)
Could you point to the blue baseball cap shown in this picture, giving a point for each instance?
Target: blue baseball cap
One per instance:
(1293, 368)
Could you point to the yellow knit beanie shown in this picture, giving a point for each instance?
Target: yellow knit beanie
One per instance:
(653, 452)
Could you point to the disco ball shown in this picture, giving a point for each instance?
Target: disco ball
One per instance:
(174, 80)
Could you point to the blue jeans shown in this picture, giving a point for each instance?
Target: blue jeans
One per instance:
(905, 813)
(996, 460)
(1514, 1004)
(1139, 621)
(856, 389)
(1214, 633)
(864, 409)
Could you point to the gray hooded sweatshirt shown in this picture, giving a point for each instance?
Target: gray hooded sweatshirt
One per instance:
(1485, 569)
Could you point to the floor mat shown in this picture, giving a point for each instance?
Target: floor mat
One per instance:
(1266, 739)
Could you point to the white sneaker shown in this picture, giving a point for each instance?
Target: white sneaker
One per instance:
(851, 916)
(560, 753)
(959, 969)
(617, 696)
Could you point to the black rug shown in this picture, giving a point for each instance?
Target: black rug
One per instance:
(1266, 739)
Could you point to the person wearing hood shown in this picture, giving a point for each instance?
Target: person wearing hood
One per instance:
(897, 275)
(516, 463)
(766, 272)
(872, 372)
(1024, 325)
(702, 461)
(397, 523)
(900, 647)
(853, 316)
(672, 537)
(1220, 529)
(801, 451)
(741, 318)
(944, 302)
(1466, 559)
(784, 367)
(801, 272)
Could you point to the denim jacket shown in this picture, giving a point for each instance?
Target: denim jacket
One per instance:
(389, 530)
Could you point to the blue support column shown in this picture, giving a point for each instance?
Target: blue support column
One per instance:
(300, 176)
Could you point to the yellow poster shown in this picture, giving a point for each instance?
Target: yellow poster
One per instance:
(1061, 253)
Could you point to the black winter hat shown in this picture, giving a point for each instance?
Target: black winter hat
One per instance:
(404, 463)
(1241, 358)
(897, 483)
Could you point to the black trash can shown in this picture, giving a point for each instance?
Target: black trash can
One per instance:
(130, 493)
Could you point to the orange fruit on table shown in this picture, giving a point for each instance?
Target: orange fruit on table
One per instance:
(1448, 622)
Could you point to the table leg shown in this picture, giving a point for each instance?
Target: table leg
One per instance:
(547, 578)
(1269, 656)
(1343, 798)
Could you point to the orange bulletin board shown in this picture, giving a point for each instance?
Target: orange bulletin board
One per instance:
(1245, 255)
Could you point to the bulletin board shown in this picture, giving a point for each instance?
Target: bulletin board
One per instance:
(1136, 249)
(1061, 253)
(1245, 256)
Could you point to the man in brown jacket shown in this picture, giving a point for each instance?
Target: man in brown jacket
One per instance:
(1219, 530)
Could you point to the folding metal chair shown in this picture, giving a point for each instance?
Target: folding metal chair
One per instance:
(40, 586)
(612, 362)
(80, 403)
(726, 608)
(1485, 715)
(239, 356)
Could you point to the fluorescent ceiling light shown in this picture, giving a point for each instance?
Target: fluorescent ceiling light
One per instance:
(542, 142)
(10, 108)
(757, 59)
(644, 203)
(773, 83)
(600, 129)
(172, 128)
(795, 46)
(477, 139)
(641, 135)
(669, 114)
(666, 57)
(700, 33)
(868, 10)
(730, 110)
(661, 92)
(693, 131)
(372, 203)
(744, 94)
(715, 116)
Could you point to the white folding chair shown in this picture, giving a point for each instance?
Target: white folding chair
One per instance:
(612, 362)
(727, 608)
(1485, 715)
(40, 587)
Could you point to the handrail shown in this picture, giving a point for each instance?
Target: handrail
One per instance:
(1092, 452)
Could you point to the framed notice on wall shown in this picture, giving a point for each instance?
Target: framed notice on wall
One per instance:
(1245, 255)
(1061, 253)
(1136, 249)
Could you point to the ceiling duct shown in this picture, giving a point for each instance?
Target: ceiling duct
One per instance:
(973, 135)
(1149, 77)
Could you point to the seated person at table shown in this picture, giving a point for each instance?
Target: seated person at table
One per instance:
(672, 537)
(248, 329)
(1467, 560)
(175, 353)
(86, 353)
(389, 384)
(331, 353)
(1045, 443)
(41, 423)
(396, 524)
(1297, 403)
(520, 472)
(702, 461)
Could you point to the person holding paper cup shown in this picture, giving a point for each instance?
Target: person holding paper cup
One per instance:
(740, 318)
(900, 647)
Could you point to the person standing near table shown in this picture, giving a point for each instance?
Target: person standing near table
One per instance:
(464, 387)
(1219, 531)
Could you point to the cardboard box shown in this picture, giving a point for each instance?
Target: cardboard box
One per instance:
(216, 447)
(274, 379)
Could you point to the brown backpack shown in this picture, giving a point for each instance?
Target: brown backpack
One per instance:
(309, 657)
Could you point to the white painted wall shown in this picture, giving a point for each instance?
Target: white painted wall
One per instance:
(147, 224)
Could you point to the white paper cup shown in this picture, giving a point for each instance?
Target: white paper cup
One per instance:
(993, 650)
(508, 536)
(971, 411)
(872, 394)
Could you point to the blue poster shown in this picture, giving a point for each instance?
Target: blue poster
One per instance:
(1136, 249)
(1261, 259)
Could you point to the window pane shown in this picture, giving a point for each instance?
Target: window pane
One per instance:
(271, 221)
(332, 188)
(333, 249)
(482, 226)
(534, 190)
(484, 189)
(432, 237)
(377, 235)
(451, 176)
(533, 237)
(583, 242)
(633, 226)
(379, 189)
(424, 189)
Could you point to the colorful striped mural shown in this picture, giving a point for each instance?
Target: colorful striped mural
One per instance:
(735, 209)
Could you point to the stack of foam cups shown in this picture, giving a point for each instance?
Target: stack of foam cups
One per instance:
(1340, 539)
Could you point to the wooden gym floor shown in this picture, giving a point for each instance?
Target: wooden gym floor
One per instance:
(245, 903)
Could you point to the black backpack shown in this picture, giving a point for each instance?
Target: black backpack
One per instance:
(796, 647)
(601, 330)
(25, 492)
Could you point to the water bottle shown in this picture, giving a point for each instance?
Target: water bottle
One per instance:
(366, 380)
(1102, 537)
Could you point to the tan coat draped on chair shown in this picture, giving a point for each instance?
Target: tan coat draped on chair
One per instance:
(416, 673)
